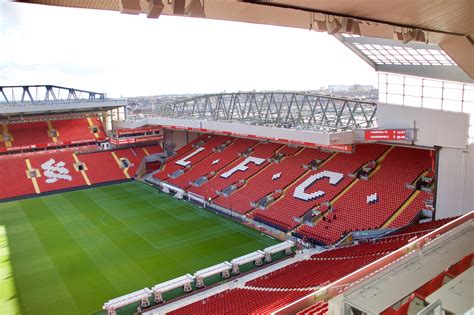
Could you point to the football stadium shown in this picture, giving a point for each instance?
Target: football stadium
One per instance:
(258, 202)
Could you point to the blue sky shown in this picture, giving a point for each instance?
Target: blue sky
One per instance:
(125, 55)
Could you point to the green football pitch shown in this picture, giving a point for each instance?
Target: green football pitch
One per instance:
(71, 252)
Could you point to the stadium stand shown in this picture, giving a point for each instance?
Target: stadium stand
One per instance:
(319, 308)
(57, 171)
(191, 154)
(213, 163)
(51, 133)
(282, 212)
(13, 177)
(54, 170)
(442, 279)
(413, 209)
(266, 293)
(230, 175)
(242, 301)
(78, 129)
(26, 134)
(401, 166)
(289, 169)
(322, 268)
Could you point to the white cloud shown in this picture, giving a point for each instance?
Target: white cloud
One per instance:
(132, 55)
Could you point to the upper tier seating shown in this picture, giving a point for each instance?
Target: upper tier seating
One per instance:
(38, 134)
(224, 178)
(78, 129)
(241, 301)
(27, 134)
(265, 183)
(283, 211)
(400, 167)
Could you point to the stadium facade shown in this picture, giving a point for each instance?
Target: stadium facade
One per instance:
(368, 205)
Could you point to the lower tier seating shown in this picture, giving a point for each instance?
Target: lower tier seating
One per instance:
(311, 273)
(45, 171)
(241, 301)
(13, 178)
(333, 264)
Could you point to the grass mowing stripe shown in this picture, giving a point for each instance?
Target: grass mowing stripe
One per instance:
(101, 249)
(89, 246)
(75, 268)
(34, 270)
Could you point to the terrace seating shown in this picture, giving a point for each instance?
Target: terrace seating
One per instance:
(432, 285)
(189, 155)
(282, 212)
(27, 134)
(135, 156)
(78, 129)
(242, 301)
(57, 171)
(265, 183)
(54, 170)
(318, 308)
(34, 135)
(223, 178)
(213, 163)
(13, 179)
(101, 167)
(311, 273)
(411, 211)
(400, 166)
(329, 266)
(423, 228)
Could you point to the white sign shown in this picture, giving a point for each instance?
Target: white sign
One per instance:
(55, 171)
(334, 179)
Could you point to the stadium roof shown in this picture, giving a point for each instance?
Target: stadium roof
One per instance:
(448, 26)
(52, 99)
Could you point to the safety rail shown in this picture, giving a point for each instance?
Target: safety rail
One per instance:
(343, 284)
